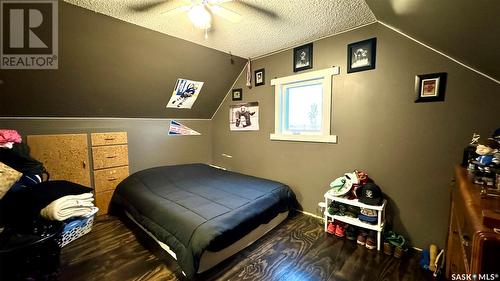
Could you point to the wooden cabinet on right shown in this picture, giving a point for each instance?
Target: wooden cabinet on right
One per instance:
(472, 246)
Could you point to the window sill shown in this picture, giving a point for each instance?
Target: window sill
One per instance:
(304, 138)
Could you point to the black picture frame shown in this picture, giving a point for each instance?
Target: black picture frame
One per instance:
(361, 55)
(430, 87)
(237, 94)
(303, 57)
(260, 77)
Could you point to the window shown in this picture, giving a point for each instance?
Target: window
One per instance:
(303, 106)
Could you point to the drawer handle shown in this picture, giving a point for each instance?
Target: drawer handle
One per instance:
(112, 179)
(111, 157)
(109, 139)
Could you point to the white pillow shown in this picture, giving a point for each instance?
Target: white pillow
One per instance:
(8, 177)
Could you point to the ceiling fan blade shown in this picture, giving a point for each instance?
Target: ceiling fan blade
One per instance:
(176, 11)
(258, 9)
(225, 13)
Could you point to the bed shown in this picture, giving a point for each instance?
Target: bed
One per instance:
(200, 214)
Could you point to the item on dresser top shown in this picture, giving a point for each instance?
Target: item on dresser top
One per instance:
(484, 163)
(25, 205)
(8, 177)
(70, 206)
(370, 194)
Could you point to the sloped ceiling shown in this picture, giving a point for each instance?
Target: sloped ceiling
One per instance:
(265, 26)
(465, 30)
(110, 68)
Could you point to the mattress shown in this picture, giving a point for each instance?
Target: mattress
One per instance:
(196, 208)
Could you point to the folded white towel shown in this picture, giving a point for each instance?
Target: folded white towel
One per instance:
(69, 206)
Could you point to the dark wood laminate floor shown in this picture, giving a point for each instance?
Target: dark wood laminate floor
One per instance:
(298, 249)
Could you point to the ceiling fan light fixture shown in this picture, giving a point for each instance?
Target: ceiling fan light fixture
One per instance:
(200, 17)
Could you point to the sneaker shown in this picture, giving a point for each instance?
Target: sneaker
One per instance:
(350, 232)
(362, 238)
(371, 242)
(331, 228)
(340, 230)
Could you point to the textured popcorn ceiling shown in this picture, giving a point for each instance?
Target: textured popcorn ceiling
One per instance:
(257, 33)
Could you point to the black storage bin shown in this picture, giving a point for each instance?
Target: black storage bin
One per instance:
(32, 255)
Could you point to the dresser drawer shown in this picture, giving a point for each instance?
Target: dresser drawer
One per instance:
(108, 179)
(110, 156)
(109, 138)
(102, 200)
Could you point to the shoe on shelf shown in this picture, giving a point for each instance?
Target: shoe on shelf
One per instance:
(331, 228)
(371, 241)
(340, 230)
(350, 232)
(362, 238)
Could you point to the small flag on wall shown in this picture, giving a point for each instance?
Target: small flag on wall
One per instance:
(177, 129)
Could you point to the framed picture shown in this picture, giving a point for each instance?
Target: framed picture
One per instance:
(237, 94)
(361, 55)
(430, 87)
(303, 57)
(260, 77)
(244, 117)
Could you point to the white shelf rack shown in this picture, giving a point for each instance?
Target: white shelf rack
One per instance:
(379, 227)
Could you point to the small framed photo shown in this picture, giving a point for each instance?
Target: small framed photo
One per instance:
(303, 57)
(237, 94)
(430, 87)
(361, 55)
(260, 77)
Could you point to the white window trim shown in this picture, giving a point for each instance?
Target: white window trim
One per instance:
(281, 83)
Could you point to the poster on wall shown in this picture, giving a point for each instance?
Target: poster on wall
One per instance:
(177, 129)
(244, 117)
(185, 93)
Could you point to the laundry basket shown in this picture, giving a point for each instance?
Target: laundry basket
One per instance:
(75, 228)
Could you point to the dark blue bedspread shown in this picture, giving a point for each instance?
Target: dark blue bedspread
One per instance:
(196, 207)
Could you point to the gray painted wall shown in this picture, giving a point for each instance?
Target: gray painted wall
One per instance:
(110, 68)
(471, 36)
(409, 149)
(148, 140)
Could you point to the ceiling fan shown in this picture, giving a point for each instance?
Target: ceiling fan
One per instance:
(200, 12)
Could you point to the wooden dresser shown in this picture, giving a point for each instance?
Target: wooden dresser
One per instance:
(110, 165)
(66, 157)
(472, 246)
